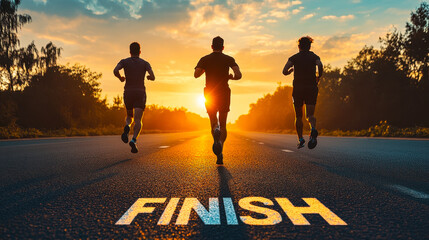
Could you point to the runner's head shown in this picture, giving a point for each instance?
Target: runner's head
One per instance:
(135, 49)
(304, 43)
(217, 44)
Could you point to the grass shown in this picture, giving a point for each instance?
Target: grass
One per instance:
(15, 132)
(382, 129)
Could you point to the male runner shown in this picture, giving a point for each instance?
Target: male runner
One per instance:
(305, 89)
(135, 69)
(217, 93)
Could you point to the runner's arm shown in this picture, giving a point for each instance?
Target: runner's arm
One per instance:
(198, 72)
(116, 72)
(151, 75)
(319, 67)
(237, 73)
(288, 69)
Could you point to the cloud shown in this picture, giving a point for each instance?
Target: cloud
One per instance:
(399, 12)
(133, 7)
(338, 48)
(297, 10)
(94, 7)
(40, 1)
(308, 16)
(279, 14)
(271, 20)
(282, 5)
(339, 18)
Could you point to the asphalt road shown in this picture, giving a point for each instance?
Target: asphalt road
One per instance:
(80, 187)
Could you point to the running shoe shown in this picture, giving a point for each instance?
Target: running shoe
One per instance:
(124, 135)
(217, 145)
(313, 139)
(219, 159)
(301, 143)
(133, 146)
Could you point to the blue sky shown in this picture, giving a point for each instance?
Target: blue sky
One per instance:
(174, 34)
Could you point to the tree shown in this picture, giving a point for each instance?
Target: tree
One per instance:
(10, 57)
(50, 55)
(71, 94)
(29, 61)
(416, 43)
(117, 102)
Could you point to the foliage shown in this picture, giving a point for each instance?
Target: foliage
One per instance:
(10, 54)
(19, 65)
(382, 129)
(273, 111)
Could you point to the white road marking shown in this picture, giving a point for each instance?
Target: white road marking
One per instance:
(163, 146)
(261, 143)
(410, 192)
(287, 150)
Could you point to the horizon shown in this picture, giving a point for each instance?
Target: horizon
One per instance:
(260, 35)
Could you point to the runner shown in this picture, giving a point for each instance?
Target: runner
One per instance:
(305, 89)
(135, 70)
(217, 92)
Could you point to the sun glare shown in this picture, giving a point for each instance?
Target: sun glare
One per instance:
(201, 100)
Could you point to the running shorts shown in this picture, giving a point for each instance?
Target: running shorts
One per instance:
(134, 99)
(305, 95)
(217, 101)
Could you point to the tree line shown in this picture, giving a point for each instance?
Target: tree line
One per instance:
(36, 92)
(390, 83)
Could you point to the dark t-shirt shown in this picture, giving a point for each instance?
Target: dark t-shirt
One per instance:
(135, 70)
(216, 66)
(304, 64)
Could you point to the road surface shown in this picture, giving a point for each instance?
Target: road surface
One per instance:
(80, 187)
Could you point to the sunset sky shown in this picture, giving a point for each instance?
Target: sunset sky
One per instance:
(175, 34)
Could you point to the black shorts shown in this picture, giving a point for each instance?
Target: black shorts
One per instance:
(217, 101)
(307, 95)
(134, 99)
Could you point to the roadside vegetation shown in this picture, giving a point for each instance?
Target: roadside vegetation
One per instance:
(383, 129)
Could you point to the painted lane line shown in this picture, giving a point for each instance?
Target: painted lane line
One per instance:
(163, 146)
(287, 150)
(410, 192)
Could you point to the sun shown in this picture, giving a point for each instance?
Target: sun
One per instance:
(201, 100)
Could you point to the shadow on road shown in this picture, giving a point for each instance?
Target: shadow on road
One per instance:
(225, 231)
(15, 207)
(111, 165)
(25, 183)
(224, 177)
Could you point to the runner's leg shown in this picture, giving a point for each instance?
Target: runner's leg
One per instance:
(298, 120)
(309, 109)
(213, 121)
(222, 122)
(138, 114)
(309, 112)
(128, 120)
